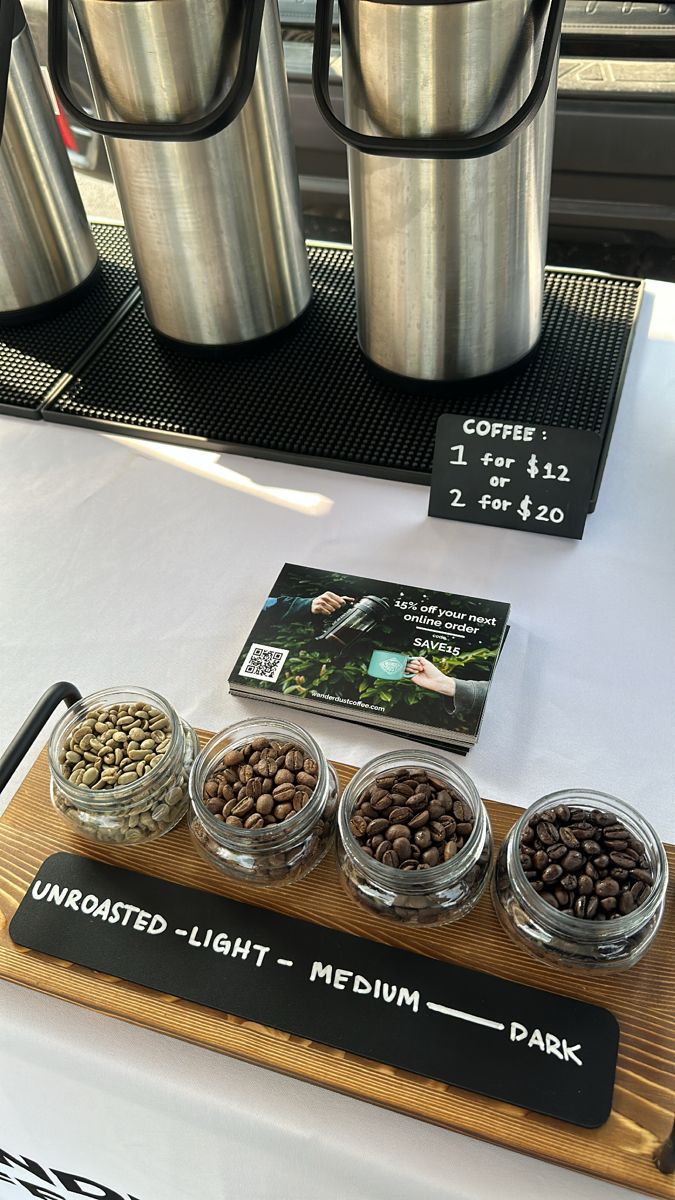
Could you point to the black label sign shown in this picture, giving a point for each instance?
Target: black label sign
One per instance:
(533, 477)
(527, 1047)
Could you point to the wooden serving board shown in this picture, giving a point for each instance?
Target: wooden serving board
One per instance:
(643, 999)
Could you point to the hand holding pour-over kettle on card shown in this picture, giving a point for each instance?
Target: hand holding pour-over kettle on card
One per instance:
(328, 603)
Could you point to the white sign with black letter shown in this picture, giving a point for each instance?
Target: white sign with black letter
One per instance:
(533, 477)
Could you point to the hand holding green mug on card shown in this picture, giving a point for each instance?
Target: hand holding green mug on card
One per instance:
(426, 675)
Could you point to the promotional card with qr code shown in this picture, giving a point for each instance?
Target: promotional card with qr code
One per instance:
(407, 659)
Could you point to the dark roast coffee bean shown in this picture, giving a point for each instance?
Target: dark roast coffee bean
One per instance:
(587, 864)
(573, 860)
(583, 830)
(623, 858)
(607, 887)
(552, 873)
(547, 833)
(569, 838)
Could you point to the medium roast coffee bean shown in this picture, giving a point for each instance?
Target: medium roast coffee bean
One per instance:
(419, 822)
(586, 864)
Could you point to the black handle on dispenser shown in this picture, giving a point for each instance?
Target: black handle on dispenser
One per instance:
(23, 740)
(457, 147)
(221, 114)
(7, 18)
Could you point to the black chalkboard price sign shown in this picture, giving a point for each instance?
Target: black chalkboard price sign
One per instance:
(533, 477)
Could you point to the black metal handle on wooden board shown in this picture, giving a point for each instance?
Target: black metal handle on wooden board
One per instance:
(664, 1158)
(220, 115)
(36, 719)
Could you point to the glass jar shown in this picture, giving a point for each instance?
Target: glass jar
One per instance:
(141, 810)
(568, 941)
(437, 895)
(273, 854)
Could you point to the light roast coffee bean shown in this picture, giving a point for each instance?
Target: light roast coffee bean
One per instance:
(254, 798)
(275, 779)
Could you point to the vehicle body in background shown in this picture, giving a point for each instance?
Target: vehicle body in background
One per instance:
(613, 166)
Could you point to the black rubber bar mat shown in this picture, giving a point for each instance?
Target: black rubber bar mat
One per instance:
(313, 400)
(33, 358)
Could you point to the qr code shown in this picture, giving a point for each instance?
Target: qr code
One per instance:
(263, 662)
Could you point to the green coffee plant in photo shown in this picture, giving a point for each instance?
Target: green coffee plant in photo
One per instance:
(310, 671)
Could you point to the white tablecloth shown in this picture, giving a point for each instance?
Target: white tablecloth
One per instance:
(131, 562)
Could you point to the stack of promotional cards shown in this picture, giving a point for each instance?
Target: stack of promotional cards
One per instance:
(404, 659)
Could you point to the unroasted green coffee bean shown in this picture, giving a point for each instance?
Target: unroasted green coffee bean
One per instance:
(115, 747)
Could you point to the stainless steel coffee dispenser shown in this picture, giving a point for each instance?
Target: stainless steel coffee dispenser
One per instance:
(194, 106)
(47, 252)
(449, 116)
